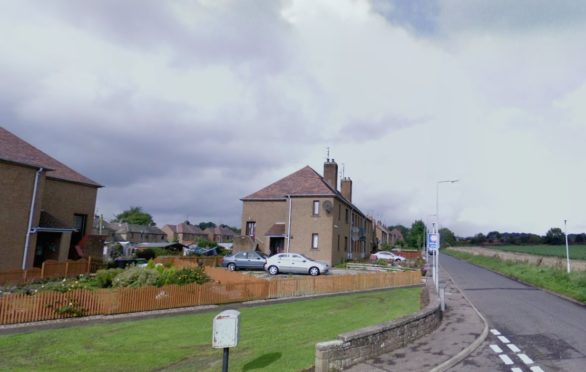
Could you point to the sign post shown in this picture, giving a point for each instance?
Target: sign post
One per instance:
(433, 244)
(225, 334)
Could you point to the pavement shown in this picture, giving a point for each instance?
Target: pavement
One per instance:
(461, 331)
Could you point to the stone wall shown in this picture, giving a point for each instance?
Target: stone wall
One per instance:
(354, 347)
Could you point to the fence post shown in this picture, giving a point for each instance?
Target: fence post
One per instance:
(89, 265)
(43, 270)
(66, 268)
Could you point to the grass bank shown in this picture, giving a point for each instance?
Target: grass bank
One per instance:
(577, 252)
(279, 337)
(557, 280)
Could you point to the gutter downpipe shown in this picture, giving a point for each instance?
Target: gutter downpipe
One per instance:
(289, 224)
(30, 218)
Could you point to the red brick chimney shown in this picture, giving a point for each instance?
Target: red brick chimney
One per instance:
(331, 173)
(346, 188)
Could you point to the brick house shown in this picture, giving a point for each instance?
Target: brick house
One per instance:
(381, 233)
(184, 233)
(220, 234)
(46, 207)
(306, 213)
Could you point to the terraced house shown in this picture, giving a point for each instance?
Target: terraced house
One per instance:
(306, 213)
(46, 208)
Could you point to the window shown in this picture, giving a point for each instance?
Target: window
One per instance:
(339, 211)
(251, 229)
(346, 215)
(314, 241)
(345, 244)
(338, 242)
(316, 207)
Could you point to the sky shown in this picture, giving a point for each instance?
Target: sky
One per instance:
(184, 107)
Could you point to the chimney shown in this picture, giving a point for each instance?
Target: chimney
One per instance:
(346, 188)
(331, 173)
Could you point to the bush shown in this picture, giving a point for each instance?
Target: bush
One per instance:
(135, 277)
(104, 278)
(183, 276)
(146, 253)
(204, 243)
(116, 251)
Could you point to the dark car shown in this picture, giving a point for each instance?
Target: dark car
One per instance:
(251, 260)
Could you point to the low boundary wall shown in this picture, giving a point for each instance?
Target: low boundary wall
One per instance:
(354, 347)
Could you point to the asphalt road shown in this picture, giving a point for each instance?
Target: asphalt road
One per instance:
(531, 330)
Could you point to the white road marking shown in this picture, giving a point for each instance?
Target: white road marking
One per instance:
(506, 359)
(516, 369)
(504, 340)
(496, 349)
(495, 332)
(525, 359)
(514, 348)
(536, 369)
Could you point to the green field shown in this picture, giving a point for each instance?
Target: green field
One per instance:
(577, 252)
(279, 337)
(572, 285)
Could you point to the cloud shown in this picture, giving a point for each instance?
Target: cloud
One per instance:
(184, 107)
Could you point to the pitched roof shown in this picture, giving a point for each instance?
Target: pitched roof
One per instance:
(305, 181)
(184, 228)
(15, 150)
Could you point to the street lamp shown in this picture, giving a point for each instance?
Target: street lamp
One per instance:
(437, 219)
(567, 247)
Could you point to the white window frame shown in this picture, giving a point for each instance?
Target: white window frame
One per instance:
(315, 207)
(315, 241)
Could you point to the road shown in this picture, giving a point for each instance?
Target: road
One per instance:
(531, 330)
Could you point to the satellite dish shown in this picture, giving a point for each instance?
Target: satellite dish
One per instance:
(328, 206)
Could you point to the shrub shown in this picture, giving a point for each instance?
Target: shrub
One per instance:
(116, 251)
(146, 253)
(136, 277)
(104, 278)
(183, 276)
(206, 243)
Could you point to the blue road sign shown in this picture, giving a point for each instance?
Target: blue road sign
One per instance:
(433, 241)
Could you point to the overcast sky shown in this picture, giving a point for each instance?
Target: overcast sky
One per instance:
(184, 107)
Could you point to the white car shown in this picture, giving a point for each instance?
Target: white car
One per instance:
(295, 263)
(387, 256)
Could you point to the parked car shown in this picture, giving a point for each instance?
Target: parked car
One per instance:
(252, 260)
(122, 263)
(295, 263)
(387, 256)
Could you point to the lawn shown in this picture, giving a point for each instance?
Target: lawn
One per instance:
(279, 337)
(554, 279)
(577, 252)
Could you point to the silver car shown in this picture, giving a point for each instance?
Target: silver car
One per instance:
(295, 263)
(251, 260)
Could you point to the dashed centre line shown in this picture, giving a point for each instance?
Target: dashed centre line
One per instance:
(506, 359)
(495, 332)
(504, 340)
(536, 369)
(516, 369)
(496, 349)
(514, 348)
(525, 359)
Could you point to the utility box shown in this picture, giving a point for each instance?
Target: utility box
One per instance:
(226, 329)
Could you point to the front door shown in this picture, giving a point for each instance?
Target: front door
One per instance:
(79, 223)
(276, 245)
(47, 247)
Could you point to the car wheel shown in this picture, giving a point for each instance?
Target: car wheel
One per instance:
(231, 267)
(398, 260)
(273, 270)
(314, 271)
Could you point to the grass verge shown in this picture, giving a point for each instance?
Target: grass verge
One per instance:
(572, 285)
(279, 337)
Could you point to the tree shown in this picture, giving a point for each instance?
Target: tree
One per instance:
(135, 215)
(554, 236)
(447, 237)
(478, 239)
(415, 236)
(205, 225)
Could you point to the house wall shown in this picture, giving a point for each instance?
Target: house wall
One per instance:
(65, 199)
(16, 190)
(265, 214)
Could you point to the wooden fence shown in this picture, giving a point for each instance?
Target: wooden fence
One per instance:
(19, 308)
(49, 269)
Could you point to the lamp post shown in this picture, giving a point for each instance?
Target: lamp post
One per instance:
(567, 247)
(437, 219)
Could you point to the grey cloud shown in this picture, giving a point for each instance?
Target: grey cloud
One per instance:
(420, 16)
(369, 130)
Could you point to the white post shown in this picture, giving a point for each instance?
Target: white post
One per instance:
(567, 247)
(289, 224)
(438, 224)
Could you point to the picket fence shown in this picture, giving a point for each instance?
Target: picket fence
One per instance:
(49, 269)
(228, 287)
